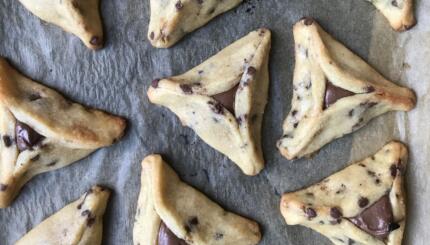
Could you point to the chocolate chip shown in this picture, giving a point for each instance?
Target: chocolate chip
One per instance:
(155, 82)
(308, 21)
(335, 213)
(179, 5)
(216, 107)
(96, 41)
(261, 33)
(35, 158)
(251, 71)
(193, 221)
(51, 163)
(26, 137)
(351, 113)
(7, 141)
(370, 89)
(394, 3)
(393, 170)
(218, 236)
(363, 202)
(152, 35)
(86, 213)
(350, 241)
(311, 213)
(186, 88)
(296, 124)
(211, 11)
(294, 112)
(91, 221)
(371, 104)
(3, 187)
(371, 173)
(33, 97)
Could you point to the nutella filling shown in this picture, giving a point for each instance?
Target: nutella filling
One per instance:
(334, 93)
(227, 98)
(378, 219)
(26, 137)
(166, 236)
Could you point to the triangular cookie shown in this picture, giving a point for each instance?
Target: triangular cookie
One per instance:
(223, 99)
(400, 13)
(334, 93)
(172, 19)
(80, 17)
(361, 204)
(80, 222)
(41, 131)
(170, 210)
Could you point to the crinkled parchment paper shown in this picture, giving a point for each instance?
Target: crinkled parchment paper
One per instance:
(116, 78)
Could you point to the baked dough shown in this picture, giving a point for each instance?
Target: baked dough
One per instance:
(80, 222)
(194, 219)
(42, 131)
(335, 93)
(331, 206)
(80, 17)
(172, 19)
(240, 70)
(400, 13)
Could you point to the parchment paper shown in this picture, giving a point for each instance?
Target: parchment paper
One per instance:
(116, 79)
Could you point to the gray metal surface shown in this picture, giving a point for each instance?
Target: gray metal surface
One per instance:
(116, 79)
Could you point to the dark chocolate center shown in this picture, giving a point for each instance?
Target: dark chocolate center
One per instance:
(334, 93)
(377, 220)
(26, 137)
(166, 236)
(227, 98)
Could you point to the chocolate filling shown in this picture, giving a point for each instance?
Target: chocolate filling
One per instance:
(334, 93)
(227, 98)
(378, 219)
(166, 237)
(26, 137)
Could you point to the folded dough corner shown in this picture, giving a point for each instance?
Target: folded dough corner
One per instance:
(42, 131)
(171, 212)
(335, 93)
(172, 19)
(79, 17)
(399, 13)
(223, 99)
(80, 222)
(364, 203)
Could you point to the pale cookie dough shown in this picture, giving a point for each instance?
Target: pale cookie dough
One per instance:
(80, 17)
(223, 99)
(41, 131)
(335, 93)
(80, 222)
(172, 19)
(400, 13)
(171, 212)
(363, 204)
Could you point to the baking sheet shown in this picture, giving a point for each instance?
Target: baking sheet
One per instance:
(116, 79)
